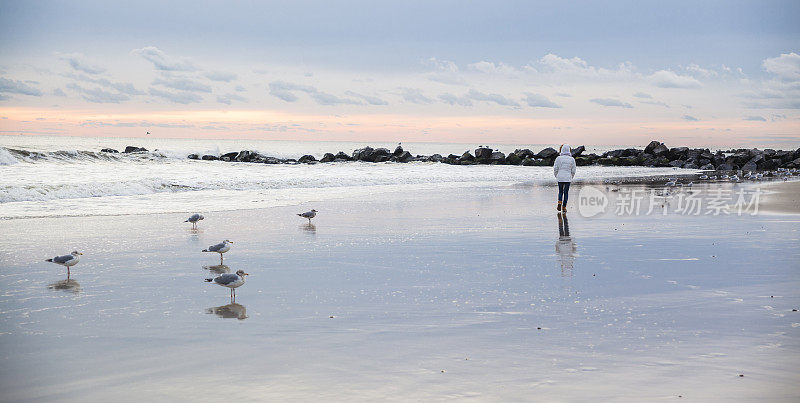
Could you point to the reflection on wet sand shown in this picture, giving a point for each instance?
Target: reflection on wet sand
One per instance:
(229, 311)
(65, 285)
(565, 246)
(218, 268)
(310, 228)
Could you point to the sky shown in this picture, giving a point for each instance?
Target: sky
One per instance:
(723, 73)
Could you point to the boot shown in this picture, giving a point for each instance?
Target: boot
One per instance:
(558, 207)
(564, 208)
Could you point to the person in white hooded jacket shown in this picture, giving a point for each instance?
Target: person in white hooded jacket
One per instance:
(564, 171)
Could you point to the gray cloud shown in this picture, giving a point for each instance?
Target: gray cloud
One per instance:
(285, 91)
(611, 102)
(163, 62)
(324, 98)
(690, 118)
(563, 94)
(99, 95)
(786, 66)
(414, 96)
(59, 92)
(657, 103)
(643, 95)
(367, 98)
(220, 76)
(182, 97)
(240, 88)
(227, 99)
(18, 87)
(496, 98)
(455, 100)
(182, 84)
(121, 87)
(76, 63)
(669, 79)
(755, 118)
(539, 101)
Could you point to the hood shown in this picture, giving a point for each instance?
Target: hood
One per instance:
(565, 150)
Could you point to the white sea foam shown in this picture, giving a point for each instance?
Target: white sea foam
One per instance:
(38, 182)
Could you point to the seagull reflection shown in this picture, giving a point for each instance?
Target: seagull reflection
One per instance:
(218, 268)
(565, 246)
(229, 311)
(310, 228)
(66, 285)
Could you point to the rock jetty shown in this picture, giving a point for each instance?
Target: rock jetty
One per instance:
(655, 154)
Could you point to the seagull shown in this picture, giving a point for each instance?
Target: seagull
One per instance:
(703, 177)
(220, 248)
(670, 183)
(67, 260)
(689, 184)
(309, 214)
(230, 280)
(194, 219)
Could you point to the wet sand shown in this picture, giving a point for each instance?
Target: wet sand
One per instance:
(481, 294)
(783, 197)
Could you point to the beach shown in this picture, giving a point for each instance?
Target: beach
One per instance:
(435, 294)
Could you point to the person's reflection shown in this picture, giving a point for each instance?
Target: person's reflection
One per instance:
(310, 228)
(218, 269)
(66, 285)
(565, 246)
(229, 311)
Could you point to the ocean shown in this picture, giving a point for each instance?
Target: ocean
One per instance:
(48, 176)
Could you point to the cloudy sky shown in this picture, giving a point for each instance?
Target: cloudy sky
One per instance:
(617, 72)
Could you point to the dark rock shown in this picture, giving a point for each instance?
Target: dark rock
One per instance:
(364, 154)
(650, 147)
(132, 149)
(497, 158)
(662, 161)
(193, 156)
(540, 162)
(750, 166)
(678, 152)
(725, 167)
(524, 153)
(528, 162)
(547, 153)
(770, 164)
(273, 160)
(328, 157)
(483, 153)
(467, 157)
(397, 151)
(228, 156)
(794, 164)
(583, 161)
(691, 165)
(405, 156)
(109, 150)
(578, 151)
(677, 163)
(245, 156)
(381, 158)
(306, 159)
(707, 167)
(435, 158)
(660, 150)
(342, 156)
(513, 159)
(209, 157)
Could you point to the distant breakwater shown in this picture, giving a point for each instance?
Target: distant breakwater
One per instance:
(655, 154)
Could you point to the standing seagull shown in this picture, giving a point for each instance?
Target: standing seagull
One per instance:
(231, 281)
(67, 260)
(309, 214)
(194, 219)
(220, 248)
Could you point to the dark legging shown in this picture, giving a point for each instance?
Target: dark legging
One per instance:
(563, 192)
